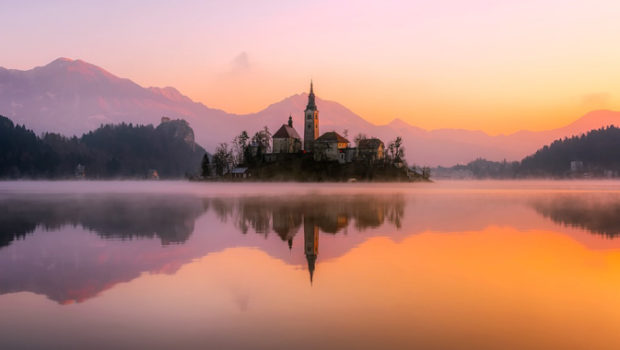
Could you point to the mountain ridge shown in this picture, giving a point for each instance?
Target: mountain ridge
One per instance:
(72, 97)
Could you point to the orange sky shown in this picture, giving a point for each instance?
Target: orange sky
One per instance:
(493, 66)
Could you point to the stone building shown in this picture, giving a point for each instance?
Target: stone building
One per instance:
(370, 149)
(286, 139)
(330, 146)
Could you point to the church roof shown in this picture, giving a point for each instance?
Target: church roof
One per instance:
(331, 136)
(286, 132)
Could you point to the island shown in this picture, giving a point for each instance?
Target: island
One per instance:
(284, 156)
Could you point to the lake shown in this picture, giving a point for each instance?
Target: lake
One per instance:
(467, 265)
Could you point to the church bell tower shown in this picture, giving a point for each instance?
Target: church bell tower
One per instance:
(311, 124)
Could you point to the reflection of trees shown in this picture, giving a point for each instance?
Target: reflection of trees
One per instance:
(170, 218)
(597, 215)
(331, 214)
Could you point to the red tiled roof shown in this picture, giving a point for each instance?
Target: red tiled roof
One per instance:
(286, 132)
(331, 136)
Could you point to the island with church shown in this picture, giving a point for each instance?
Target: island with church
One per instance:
(284, 156)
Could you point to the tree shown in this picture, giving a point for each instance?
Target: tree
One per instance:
(396, 151)
(426, 172)
(205, 165)
(359, 137)
(223, 159)
(263, 139)
(240, 144)
(122, 150)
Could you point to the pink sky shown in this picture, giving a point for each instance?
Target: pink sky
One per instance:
(489, 65)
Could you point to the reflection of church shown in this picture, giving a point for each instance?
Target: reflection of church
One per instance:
(286, 216)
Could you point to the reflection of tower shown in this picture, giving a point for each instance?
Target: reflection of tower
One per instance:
(311, 244)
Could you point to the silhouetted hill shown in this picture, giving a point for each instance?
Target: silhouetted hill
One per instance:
(596, 153)
(111, 151)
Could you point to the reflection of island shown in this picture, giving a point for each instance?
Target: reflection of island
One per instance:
(329, 214)
(170, 218)
(55, 255)
(597, 215)
(71, 248)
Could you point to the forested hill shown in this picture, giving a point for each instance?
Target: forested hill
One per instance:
(111, 151)
(597, 153)
(594, 154)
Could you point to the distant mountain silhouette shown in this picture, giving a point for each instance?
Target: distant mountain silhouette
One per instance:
(72, 97)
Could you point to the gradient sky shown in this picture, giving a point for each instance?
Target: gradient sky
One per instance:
(498, 66)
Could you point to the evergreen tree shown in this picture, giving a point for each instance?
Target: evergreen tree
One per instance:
(205, 166)
(123, 150)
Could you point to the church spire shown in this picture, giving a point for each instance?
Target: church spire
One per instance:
(311, 103)
(311, 262)
(311, 244)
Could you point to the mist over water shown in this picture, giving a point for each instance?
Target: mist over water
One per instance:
(480, 264)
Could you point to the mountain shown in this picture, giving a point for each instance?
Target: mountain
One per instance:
(73, 97)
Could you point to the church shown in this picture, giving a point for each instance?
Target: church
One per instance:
(286, 139)
(330, 146)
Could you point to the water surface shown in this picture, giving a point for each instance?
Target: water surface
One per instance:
(310, 266)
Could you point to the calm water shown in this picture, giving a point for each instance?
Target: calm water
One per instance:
(475, 265)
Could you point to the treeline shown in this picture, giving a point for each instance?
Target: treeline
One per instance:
(479, 169)
(243, 150)
(595, 154)
(111, 151)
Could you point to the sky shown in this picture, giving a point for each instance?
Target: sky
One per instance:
(496, 66)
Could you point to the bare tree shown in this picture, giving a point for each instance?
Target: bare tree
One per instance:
(223, 159)
(263, 139)
(359, 137)
(396, 151)
(239, 144)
